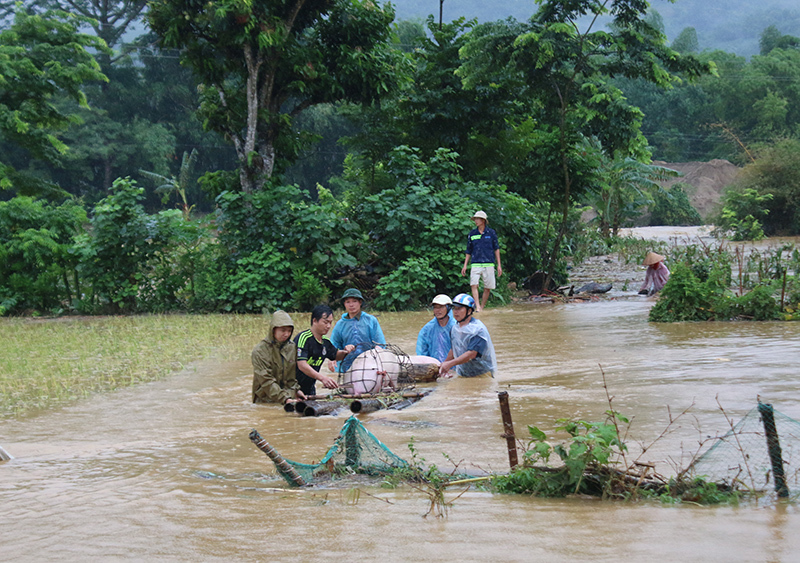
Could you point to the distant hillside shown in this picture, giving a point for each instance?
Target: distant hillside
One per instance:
(731, 25)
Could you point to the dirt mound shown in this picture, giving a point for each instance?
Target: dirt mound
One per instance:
(708, 180)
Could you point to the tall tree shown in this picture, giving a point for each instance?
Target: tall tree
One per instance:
(567, 63)
(42, 58)
(262, 63)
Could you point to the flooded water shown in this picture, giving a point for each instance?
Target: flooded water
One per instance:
(166, 472)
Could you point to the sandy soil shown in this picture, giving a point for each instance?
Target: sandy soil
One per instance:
(708, 180)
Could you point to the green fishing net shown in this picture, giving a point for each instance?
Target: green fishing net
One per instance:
(354, 451)
(741, 458)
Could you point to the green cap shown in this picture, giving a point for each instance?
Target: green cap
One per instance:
(352, 292)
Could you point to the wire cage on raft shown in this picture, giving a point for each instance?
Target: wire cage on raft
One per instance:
(381, 368)
(760, 452)
(354, 451)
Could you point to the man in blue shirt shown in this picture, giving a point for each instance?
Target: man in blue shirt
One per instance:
(434, 338)
(356, 327)
(483, 251)
(472, 354)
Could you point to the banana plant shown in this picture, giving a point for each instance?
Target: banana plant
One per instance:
(166, 186)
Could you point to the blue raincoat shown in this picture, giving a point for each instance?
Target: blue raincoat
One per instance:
(363, 332)
(434, 339)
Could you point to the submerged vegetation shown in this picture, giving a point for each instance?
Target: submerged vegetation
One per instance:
(714, 283)
(48, 362)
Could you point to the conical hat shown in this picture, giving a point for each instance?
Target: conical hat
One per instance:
(652, 258)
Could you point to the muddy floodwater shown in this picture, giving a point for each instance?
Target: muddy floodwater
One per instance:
(165, 471)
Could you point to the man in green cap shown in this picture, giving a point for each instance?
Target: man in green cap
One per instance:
(356, 327)
(274, 361)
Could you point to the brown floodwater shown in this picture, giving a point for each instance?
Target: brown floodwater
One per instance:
(165, 471)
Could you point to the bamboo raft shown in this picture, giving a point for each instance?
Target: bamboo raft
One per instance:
(319, 405)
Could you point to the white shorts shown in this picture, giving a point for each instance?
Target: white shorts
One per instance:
(485, 273)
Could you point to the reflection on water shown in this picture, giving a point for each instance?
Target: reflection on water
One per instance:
(165, 471)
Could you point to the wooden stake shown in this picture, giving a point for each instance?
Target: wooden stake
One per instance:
(508, 426)
(286, 470)
(774, 449)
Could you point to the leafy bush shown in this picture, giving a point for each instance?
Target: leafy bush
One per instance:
(308, 290)
(38, 261)
(758, 304)
(742, 214)
(672, 207)
(311, 235)
(772, 183)
(260, 281)
(427, 216)
(408, 287)
(702, 260)
(121, 243)
(686, 298)
(591, 448)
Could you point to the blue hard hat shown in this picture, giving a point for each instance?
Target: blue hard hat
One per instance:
(464, 300)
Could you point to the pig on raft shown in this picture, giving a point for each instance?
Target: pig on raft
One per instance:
(379, 369)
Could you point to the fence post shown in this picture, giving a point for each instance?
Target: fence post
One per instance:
(774, 449)
(508, 427)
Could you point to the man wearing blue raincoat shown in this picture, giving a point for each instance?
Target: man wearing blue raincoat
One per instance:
(356, 327)
(472, 353)
(434, 338)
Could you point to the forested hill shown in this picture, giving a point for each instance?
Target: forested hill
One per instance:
(730, 25)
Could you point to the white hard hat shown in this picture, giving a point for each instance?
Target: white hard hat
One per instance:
(480, 215)
(441, 299)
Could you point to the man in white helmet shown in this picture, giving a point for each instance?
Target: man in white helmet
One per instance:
(483, 251)
(434, 338)
(472, 353)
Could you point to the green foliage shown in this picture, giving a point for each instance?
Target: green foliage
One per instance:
(592, 446)
(703, 260)
(758, 304)
(311, 235)
(407, 287)
(260, 281)
(697, 490)
(180, 185)
(431, 202)
(309, 291)
(768, 190)
(686, 298)
(742, 213)
(262, 63)
(698, 290)
(42, 58)
(154, 257)
(623, 188)
(771, 39)
(38, 264)
(686, 41)
(672, 207)
(121, 236)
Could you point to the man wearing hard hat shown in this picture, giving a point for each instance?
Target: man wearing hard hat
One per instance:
(434, 338)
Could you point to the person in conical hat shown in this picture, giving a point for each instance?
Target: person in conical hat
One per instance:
(656, 276)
